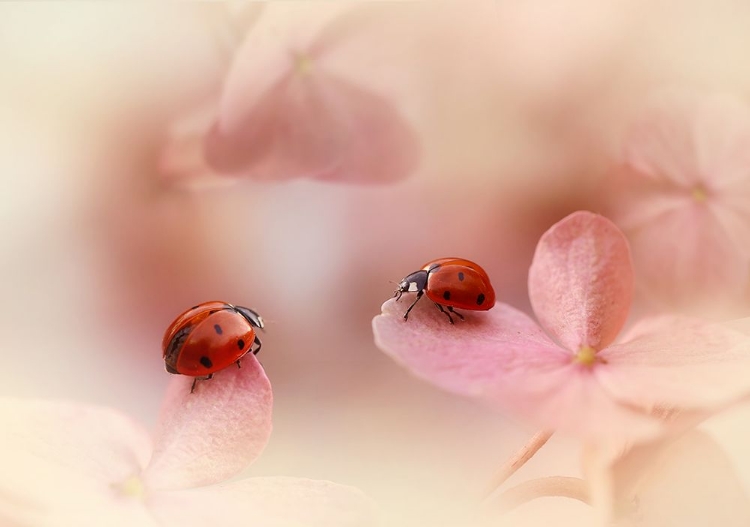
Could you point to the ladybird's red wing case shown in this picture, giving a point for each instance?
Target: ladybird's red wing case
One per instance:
(188, 319)
(218, 341)
(457, 261)
(460, 286)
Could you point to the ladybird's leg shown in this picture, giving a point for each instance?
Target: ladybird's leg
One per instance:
(192, 388)
(256, 345)
(238, 364)
(459, 315)
(419, 295)
(450, 318)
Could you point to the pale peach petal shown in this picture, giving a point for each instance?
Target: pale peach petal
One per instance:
(66, 464)
(678, 362)
(683, 483)
(95, 442)
(212, 434)
(268, 502)
(581, 281)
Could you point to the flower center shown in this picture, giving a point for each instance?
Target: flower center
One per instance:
(132, 487)
(699, 194)
(586, 356)
(302, 64)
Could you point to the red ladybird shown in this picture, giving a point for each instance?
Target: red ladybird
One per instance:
(208, 338)
(450, 283)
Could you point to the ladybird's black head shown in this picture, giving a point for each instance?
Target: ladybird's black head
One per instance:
(251, 316)
(413, 283)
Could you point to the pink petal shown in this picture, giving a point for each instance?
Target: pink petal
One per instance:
(660, 146)
(721, 131)
(503, 357)
(262, 502)
(686, 256)
(65, 463)
(182, 162)
(284, 114)
(283, 32)
(212, 434)
(678, 362)
(581, 281)
(688, 482)
(317, 125)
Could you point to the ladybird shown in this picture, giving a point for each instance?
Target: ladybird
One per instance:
(450, 283)
(209, 337)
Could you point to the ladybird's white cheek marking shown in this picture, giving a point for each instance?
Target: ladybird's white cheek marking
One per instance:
(413, 287)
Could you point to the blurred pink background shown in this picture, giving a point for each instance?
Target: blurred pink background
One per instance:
(518, 108)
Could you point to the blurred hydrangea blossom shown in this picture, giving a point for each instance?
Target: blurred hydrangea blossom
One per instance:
(73, 464)
(295, 104)
(682, 197)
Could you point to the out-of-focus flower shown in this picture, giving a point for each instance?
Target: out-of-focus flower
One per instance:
(72, 464)
(683, 199)
(687, 482)
(288, 110)
(570, 374)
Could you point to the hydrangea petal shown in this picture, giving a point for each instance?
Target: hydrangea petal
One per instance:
(317, 125)
(678, 362)
(503, 357)
(688, 482)
(581, 281)
(283, 33)
(689, 257)
(471, 357)
(64, 463)
(686, 208)
(95, 442)
(268, 502)
(721, 131)
(212, 434)
(660, 146)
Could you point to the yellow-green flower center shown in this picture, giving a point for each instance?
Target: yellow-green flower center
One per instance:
(132, 487)
(586, 356)
(302, 64)
(699, 194)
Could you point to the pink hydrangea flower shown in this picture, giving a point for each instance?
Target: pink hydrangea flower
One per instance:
(73, 464)
(683, 199)
(292, 107)
(574, 371)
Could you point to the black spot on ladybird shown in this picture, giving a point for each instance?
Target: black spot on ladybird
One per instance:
(480, 299)
(241, 344)
(206, 362)
(447, 295)
(461, 276)
(218, 329)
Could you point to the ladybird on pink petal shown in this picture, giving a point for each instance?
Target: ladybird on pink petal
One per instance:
(210, 337)
(450, 283)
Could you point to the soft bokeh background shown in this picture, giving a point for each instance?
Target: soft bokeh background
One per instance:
(518, 107)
